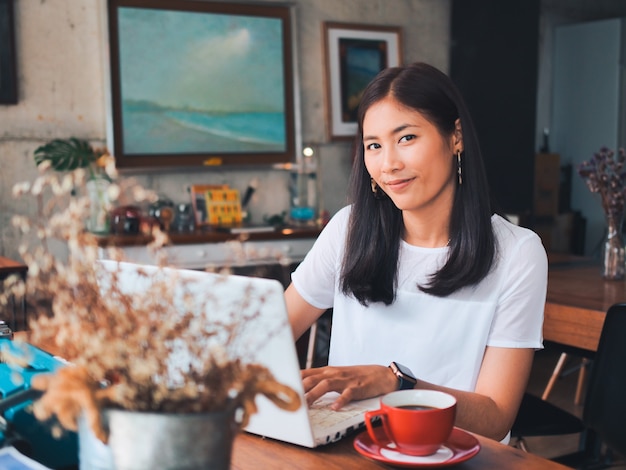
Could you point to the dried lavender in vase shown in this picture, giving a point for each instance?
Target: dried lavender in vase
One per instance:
(605, 174)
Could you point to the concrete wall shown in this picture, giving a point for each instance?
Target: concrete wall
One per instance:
(61, 52)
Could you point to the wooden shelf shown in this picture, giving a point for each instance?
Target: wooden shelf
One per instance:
(209, 236)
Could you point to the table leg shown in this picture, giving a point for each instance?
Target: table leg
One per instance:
(24, 314)
(13, 316)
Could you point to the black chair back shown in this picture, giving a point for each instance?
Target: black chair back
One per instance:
(605, 403)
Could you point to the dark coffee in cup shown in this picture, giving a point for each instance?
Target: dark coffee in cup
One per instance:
(416, 407)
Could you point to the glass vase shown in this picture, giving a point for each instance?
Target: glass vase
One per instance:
(613, 263)
(98, 221)
(303, 210)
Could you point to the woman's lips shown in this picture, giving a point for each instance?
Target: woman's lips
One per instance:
(398, 184)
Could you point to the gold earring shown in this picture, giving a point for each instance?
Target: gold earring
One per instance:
(374, 186)
(458, 167)
(375, 189)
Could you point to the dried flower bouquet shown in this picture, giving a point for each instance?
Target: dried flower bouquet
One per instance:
(119, 344)
(605, 174)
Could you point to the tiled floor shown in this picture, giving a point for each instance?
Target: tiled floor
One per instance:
(563, 395)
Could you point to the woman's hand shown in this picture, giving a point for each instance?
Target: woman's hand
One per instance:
(352, 383)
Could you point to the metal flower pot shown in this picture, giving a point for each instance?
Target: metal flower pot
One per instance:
(142, 440)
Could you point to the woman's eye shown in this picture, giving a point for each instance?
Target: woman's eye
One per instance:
(406, 138)
(373, 146)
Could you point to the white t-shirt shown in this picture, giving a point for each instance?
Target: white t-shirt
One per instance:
(442, 340)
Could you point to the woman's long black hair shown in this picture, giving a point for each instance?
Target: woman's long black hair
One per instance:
(370, 263)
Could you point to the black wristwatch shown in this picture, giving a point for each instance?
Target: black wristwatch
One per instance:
(406, 379)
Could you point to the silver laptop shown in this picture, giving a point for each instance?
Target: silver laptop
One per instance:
(308, 426)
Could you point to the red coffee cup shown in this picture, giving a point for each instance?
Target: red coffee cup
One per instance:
(417, 422)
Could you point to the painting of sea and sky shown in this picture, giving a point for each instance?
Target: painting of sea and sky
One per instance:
(186, 84)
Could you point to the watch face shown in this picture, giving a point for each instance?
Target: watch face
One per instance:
(404, 370)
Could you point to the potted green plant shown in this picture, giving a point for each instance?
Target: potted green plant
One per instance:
(68, 154)
(71, 154)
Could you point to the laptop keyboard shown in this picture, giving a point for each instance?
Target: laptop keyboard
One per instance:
(322, 415)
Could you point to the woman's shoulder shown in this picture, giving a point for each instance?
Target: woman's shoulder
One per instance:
(512, 238)
(339, 221)
(337, 226)
(343, 213)
(504, 229)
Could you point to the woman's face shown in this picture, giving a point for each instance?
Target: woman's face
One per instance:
(408, 157)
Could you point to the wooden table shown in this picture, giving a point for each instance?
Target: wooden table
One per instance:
(8, 267)
(253, 452)
(577, 300)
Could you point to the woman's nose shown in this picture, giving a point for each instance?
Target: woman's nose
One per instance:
(391, 161)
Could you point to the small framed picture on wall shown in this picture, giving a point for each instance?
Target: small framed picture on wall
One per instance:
(8, 75)
(354, 55)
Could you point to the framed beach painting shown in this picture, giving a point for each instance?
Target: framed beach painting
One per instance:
(200, 83)
(354, 55)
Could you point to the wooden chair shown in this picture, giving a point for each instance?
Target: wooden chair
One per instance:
(558, 371)
(604, 410)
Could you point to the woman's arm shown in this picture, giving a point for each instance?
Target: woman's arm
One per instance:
(492, 408)
(301, 314)
(489, 411)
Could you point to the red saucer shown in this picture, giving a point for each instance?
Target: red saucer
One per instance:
(460, 446)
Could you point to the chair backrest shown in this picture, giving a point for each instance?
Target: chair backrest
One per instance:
(605, 403)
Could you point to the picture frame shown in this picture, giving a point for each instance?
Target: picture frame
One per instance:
(200, 83)
(8, 72)
(354, 54)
